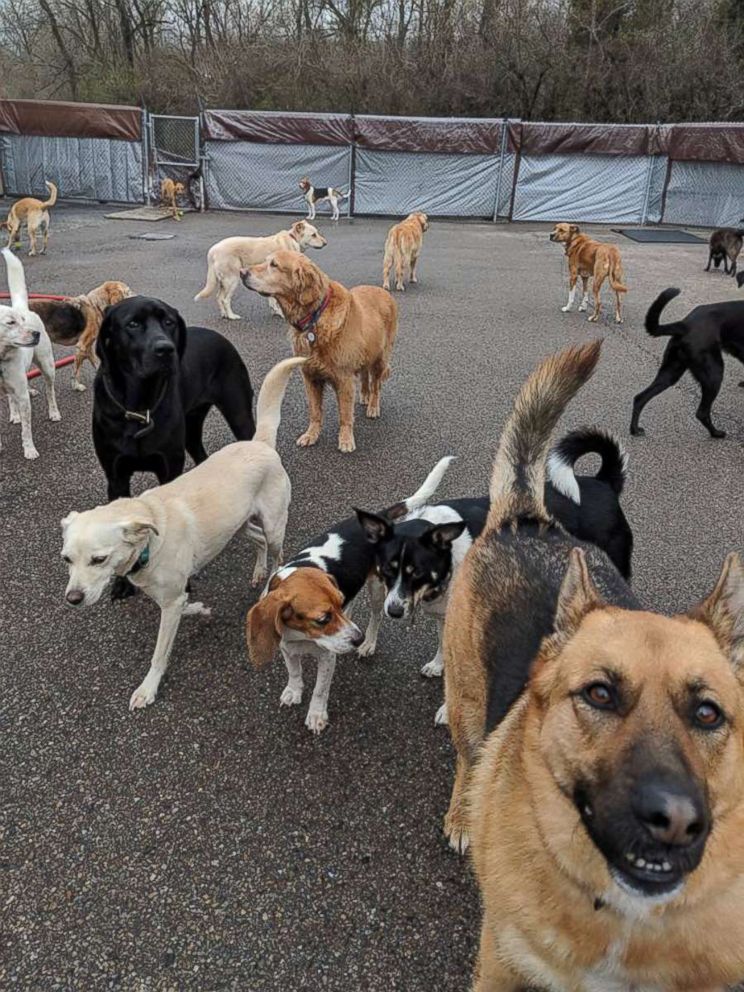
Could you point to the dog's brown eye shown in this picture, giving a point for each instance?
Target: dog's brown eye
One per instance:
(322, 621)
(600, 696)
(98, 560)
(708, 716)
(67, 560)
(273, 265)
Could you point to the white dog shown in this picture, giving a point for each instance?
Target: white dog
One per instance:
(161, 538)
(23, 339)
(227, 258)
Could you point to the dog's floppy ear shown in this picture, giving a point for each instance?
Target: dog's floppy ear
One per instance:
(375, 527)
(577, 597)
(441, 536)
(723, 610)
(66, 521)
(299, 227)
(103, 340)
(133, 531)
(262, 632)
(573, 228)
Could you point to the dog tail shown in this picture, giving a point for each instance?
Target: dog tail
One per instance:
(518, 479)
(52, 195)
(16, 281)
(652, 325)
(270, 396)
(616, 276)
(211, 284)
(425, 493)
(587, 441)
(343, 195)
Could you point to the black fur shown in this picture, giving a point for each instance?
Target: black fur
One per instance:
(150, 360)
(725, 245)
(354, 564)
(64, 323)
(697, 344)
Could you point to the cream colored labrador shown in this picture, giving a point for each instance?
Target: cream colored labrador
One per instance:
(227, 258)
(161, 538)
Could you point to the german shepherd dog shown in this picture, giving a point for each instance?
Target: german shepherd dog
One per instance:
(696, 346)
(607, 808)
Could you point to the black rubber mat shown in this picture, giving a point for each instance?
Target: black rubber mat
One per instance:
(659, 235)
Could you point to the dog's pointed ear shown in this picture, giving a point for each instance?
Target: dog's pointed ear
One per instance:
(375, 527)
(723, 610)
(441, 536)
(134, 531)
(66, 521)
(262, 633)
(577, 597)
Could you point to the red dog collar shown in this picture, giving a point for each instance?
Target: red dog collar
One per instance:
(306, 325)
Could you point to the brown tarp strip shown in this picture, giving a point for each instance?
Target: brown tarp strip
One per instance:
(707, 143)
(57, 119)
(403, 134)
(277, 128)
(585, 139)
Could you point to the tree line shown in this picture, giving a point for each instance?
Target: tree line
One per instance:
(602, 60)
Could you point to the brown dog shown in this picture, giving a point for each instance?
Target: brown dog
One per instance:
(343, 332)
(402, 249)
(590, 259)
(607, 809)
(35, 214)
(169, 193)
(78, 320)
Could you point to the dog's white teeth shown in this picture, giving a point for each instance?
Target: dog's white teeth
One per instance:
(630, 857)
(640, 863)
(666, 866)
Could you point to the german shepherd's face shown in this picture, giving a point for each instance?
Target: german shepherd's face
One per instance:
(639, 720)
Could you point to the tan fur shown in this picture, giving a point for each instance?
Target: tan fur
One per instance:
(402, 249)
(169, 193)
(93, 305)
(353, 336)
(540, 873)
(35, 214)
(227, 258)
(591, 259)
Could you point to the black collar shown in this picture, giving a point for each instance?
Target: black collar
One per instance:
(307, 324)
(142, 559)
(143, 418)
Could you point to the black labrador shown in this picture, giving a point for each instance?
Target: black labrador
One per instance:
(155, 385)
(697, 344)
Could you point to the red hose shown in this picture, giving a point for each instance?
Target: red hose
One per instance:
(33, 373)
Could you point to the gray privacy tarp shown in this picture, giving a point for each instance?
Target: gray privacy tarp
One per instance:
(82, 168)
(440, 185)
(609, 189)
(242, 175)
(710, 194)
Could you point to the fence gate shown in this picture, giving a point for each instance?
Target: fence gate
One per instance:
(175, 151)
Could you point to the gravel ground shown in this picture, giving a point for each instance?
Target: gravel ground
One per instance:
(211, 842)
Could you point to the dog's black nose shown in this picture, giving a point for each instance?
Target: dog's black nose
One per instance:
(357, 639)
(75, 597)
(164, 348)
(395, 610)
(670, 815)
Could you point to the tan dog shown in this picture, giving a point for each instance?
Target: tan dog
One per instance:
(170, 190)
(590, 259)
(78, 320)
(607, 810)
(35, 214)
(402, 249)
(343, 332)
(229, 257)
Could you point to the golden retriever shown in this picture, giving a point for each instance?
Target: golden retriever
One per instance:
(402, 249)
(343, 333)
(35, 214)
(170, 190)
(588, 258)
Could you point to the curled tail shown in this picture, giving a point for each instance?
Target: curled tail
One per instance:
(652, 325)
(16, 281)
(211, 284)
(423, 495)
(518, 478)
(270, 396)
(616, 276)
(586, 441)
(52, 195)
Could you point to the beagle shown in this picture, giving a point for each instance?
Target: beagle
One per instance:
(317, 194)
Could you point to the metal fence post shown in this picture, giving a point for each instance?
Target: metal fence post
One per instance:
(647, 191)
(145, 159)
(352, 170)
(502, 159)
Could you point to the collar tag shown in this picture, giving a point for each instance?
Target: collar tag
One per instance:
(311, 337)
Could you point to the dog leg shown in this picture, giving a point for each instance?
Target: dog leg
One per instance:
(491, 974)
(583, 306)
(364, 386)
(414, 263)
(23, 407)
(376, 377)
(387, 265)
(597, 292)
(77, 385)
(399, 273)
(31, 238)
(709, 376)
(292, 694)
(170, 618)
(376, 593)
(571, 296)
(440, 717)
(257, 538)
(455, 822)
(618, 308)
(710, 258)
(317, 715)
(227, 286)
(433, 669)
(45, 359)
(345, 396)
(314, 392)
(671, 371)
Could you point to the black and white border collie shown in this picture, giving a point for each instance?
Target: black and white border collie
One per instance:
(318, 194)
(416, 553)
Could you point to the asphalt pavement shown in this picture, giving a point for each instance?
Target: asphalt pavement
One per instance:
(211, 842)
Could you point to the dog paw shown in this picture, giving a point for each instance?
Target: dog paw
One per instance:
(715, 433)
(55, 416)
(373, 413)
(593, 318)
(441, 719)
(565, 309)
(433, 669)
(638, 431)
(400, 287)
(30, 453)
(291, 696)
(15, 418)
(231, 316)
(260, 574)
(142, 697)
(308, 439)
(32, 391)
(197, 609)
(457, 836)
(79, 387)
(346, 443)
(316, 721)
(618, 320)
(367, 648)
